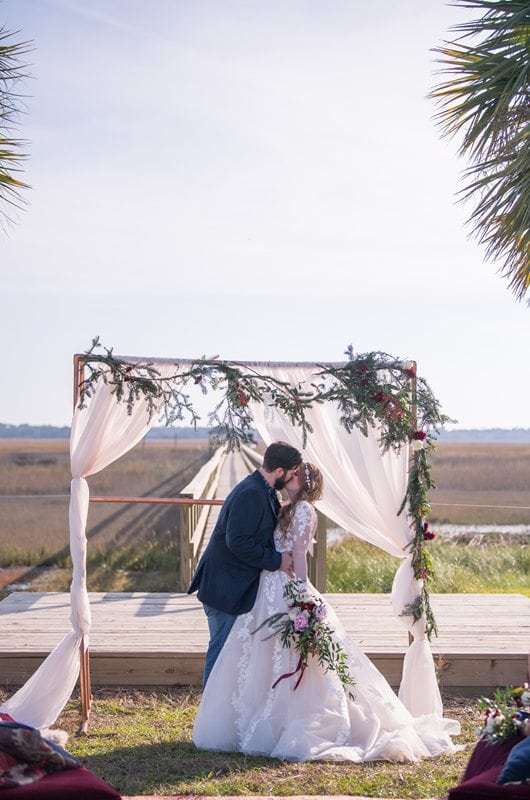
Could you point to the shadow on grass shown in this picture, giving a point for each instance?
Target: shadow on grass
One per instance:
(177, 767)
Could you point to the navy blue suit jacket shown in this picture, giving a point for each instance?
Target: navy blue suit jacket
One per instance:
(240, 547)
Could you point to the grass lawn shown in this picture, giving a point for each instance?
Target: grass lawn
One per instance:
(140, 742)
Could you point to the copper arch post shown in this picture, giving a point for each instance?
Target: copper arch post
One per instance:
(412, 453)
(85, 687)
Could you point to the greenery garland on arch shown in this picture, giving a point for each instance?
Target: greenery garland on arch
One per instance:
(368, 388)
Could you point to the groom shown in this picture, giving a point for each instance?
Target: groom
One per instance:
(242, 545)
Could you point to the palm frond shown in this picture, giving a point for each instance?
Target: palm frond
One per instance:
(484, 99)
(12, 149)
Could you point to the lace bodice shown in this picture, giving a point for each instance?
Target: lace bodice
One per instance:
(298, 537)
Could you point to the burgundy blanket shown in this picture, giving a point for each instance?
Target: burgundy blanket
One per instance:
(483, 768)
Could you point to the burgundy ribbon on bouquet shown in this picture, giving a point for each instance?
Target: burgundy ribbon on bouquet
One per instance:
(290, 674)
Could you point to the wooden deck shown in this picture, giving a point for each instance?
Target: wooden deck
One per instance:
(160, 639)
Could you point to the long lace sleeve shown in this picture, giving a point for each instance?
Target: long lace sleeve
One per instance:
(302, 529)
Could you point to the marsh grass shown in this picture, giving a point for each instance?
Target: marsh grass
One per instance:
(135, 548)
(495, 566)
(131, 547)
(482, 565)
(486, 475)
(141, 744)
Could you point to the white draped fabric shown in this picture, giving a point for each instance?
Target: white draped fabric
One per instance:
(363, 490)
(101, 433)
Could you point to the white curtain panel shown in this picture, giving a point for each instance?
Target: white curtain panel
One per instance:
(101, 433)
(363, 490)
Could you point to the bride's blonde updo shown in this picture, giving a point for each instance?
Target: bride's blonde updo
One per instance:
(311, 482)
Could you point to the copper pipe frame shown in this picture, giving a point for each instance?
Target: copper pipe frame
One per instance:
(414, 405)
(79, 370)
(173, 501)
(85, 686)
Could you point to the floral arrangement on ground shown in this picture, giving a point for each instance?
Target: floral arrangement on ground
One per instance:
(506, 714)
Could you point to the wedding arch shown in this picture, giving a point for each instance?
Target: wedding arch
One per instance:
(368, 422)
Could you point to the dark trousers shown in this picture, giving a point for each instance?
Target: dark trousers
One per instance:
(220, 624)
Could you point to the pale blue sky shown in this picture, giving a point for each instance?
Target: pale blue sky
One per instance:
(258, 179)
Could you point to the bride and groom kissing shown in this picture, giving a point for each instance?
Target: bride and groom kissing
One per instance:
(256, 548)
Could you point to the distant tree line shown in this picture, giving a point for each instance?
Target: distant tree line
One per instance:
(33, 431)
(508, 435)
(56, 432)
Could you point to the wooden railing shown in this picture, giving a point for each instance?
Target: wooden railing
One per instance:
(194, 517)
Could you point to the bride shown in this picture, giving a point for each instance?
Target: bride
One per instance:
(251, 703)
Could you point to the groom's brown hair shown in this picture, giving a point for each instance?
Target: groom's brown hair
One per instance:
(281, 455)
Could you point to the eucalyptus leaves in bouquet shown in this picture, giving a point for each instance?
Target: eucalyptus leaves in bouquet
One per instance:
(304, 627)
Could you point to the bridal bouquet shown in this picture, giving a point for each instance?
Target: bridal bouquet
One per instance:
(303, 626)
(506, 714)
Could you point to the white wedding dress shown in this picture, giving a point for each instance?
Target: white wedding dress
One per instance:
(241, 712)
